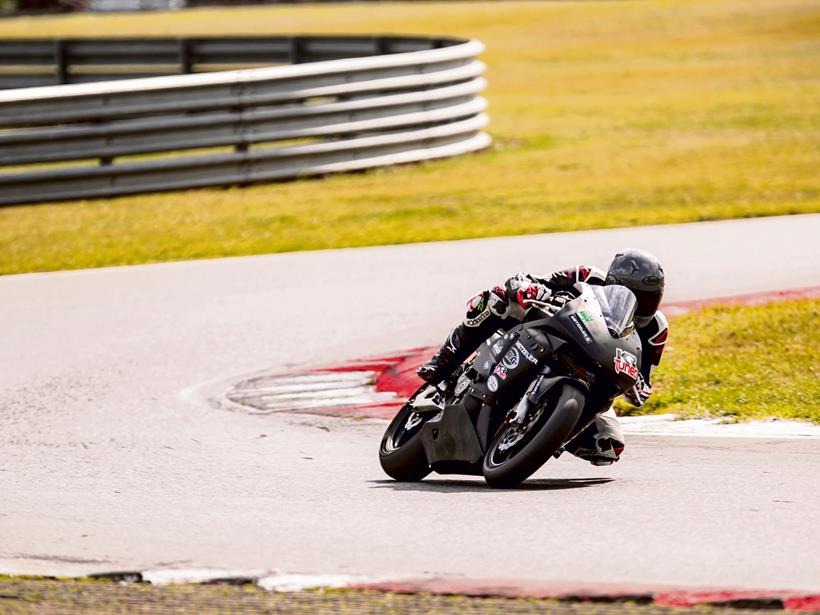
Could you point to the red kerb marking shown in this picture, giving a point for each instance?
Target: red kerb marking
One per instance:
(598, 592)
(786, 599)
(761, 298)
(802, 603)
(396, 373)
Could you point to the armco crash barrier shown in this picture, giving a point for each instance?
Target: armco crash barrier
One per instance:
(343, 104)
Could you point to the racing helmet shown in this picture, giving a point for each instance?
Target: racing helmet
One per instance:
(641, 273)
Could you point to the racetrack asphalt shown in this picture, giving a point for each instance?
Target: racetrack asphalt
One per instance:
(112, 457)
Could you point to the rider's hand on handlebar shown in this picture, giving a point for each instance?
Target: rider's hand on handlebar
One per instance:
(533, 293)
(551, 304)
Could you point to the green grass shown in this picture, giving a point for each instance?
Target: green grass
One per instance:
(741, 363)
(604, 114)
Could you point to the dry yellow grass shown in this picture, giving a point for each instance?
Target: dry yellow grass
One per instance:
(604, 114)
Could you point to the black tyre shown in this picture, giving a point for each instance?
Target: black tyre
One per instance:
(401, 454)
(516, 452)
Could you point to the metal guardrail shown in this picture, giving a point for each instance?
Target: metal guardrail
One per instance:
(41, 62)
(396, 100)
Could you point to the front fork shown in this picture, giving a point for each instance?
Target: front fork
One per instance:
(522, 410)
(543, 382)
(534, 396)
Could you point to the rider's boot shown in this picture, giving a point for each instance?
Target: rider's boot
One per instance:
(601, 443)
(459, 346)
(485, 313)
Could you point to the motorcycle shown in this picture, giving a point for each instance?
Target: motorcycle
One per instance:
(524, 395)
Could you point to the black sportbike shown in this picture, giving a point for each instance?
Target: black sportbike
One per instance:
(525, 393)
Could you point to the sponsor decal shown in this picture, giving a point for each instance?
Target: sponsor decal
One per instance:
(500, 371)
(652, 280)
(463, 382)
(527, 354)
(511, 359)
(476, 304)
(487, 365)
(626, 363)
(584, 316)
(581, 328)
(498, 346)
(474, 322)
(492, 383)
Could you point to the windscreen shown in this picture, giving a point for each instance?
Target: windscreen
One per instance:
(618, 306)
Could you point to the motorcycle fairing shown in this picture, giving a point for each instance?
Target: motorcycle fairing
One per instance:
(450, 442)
(518, 354)
(593, 340)
(504, 364)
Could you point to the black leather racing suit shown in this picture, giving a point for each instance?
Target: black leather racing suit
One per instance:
(504, 307)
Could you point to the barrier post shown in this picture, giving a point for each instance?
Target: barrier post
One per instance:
(60, 61)
(186, 64)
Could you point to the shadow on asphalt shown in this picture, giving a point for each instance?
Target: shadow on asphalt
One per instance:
(473, 486)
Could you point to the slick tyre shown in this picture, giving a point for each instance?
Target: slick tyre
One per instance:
(401, 453)
(516, 452)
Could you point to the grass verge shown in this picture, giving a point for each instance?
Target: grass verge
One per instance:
(741, 363)
(605, 114)
(19, 595)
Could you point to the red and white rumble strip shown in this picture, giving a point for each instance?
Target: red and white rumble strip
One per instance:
(376, 387)
(373, 388)
(658, 595)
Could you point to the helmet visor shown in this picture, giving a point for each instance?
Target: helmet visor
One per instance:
(648, 304)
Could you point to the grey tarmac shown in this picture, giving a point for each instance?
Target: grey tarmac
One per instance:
(113, 456)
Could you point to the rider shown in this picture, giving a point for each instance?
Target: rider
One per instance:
(504, 307)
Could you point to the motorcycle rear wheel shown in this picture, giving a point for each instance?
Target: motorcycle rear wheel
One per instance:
(518, 451)
(401, 453)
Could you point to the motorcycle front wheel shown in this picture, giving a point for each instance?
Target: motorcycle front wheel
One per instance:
(401, 453)
(519, 450)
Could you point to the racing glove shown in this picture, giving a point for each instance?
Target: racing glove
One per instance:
(533, 292)
(639, 393)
